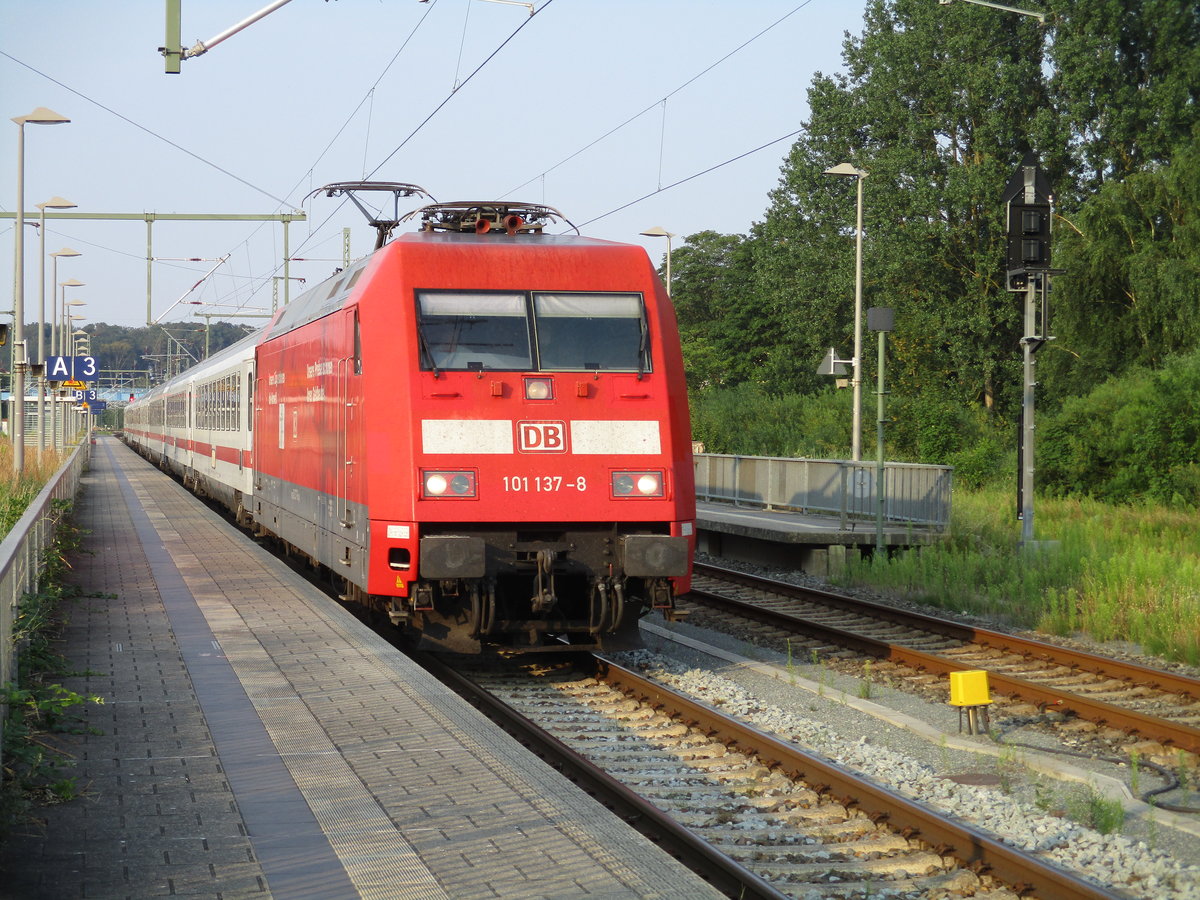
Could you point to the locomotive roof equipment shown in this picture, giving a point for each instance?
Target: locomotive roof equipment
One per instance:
(398, 189)
(485, 216)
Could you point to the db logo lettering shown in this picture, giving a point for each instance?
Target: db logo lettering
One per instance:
(542, 437)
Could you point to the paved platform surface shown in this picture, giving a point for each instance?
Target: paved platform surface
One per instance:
(257, 741)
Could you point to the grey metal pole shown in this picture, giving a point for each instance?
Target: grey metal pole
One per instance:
(1028, 347)
(40, 116)
(16, 419)
(41, 400)
(856, 436)
(880, 488)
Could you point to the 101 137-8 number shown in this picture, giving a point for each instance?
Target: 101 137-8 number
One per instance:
(542, 484)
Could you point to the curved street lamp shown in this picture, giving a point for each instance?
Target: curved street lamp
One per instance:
(659, 231)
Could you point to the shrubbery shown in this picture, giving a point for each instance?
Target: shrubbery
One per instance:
(748, 421)
(1135, 437)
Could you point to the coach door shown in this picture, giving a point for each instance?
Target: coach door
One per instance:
(348, 369)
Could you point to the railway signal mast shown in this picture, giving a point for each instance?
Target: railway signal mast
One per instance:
(1029, 208)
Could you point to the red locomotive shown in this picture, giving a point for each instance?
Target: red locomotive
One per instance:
(480, 429)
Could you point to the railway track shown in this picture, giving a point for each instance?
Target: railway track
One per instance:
(754, 815)
(1152, 704)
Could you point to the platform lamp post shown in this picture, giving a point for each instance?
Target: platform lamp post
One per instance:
(881, 319)
(659, 231)
(40, 116)
(60, 293)
(69, 338)
(63, 340)
(83, 347)
(53, 203)
(64, 323)
(847, 170)
(60, 338)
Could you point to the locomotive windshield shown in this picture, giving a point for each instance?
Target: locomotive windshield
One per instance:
(474, 331)
(547, 332)
(604, 332)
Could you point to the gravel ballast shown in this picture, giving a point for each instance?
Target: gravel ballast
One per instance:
(1027, 798)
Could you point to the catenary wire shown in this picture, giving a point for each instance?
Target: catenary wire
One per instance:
(691, 177)
(663, 99)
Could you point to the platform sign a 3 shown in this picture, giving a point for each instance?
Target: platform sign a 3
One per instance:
(72, 368)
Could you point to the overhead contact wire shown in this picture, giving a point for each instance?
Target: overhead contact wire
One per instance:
(690, 178)
(664, 98)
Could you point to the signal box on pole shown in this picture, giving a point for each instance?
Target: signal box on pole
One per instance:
(1028, 202)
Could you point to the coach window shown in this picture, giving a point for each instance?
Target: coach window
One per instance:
(249, 401)
(591, 332)
(473, 331)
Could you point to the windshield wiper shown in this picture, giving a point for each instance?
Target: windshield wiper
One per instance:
(642, 345)
(428, 353)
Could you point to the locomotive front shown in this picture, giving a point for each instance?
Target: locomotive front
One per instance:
(551, 500)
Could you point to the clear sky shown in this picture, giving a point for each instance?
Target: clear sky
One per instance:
(608, 110)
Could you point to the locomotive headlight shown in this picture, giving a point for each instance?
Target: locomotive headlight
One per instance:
(649, 484)
(637, 484)
(539, 389)
(450, 485)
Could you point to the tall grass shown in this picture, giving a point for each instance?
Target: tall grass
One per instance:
(1109, 572)
(16, 493)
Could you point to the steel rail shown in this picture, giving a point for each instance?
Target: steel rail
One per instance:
(1169, 682)
(705, 860)
(1185, 737)
(973, 848)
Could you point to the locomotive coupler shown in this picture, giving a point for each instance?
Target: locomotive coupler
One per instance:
(397, 615)
(544, 597)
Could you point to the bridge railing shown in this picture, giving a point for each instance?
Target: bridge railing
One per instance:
(913, 493)
(22, 552)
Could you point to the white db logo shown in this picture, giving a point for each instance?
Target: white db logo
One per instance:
(542, 437)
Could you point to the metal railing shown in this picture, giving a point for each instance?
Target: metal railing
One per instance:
(22, 553)
(913, 493)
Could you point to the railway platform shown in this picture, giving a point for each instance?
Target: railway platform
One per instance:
(817, 544)
(254, 740)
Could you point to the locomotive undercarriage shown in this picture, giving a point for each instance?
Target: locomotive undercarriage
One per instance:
(539, 591)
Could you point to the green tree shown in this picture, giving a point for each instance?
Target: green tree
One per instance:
(1131, 292)
(1125, 86)
(721, 326)
(936, 105)
(1134, 437)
